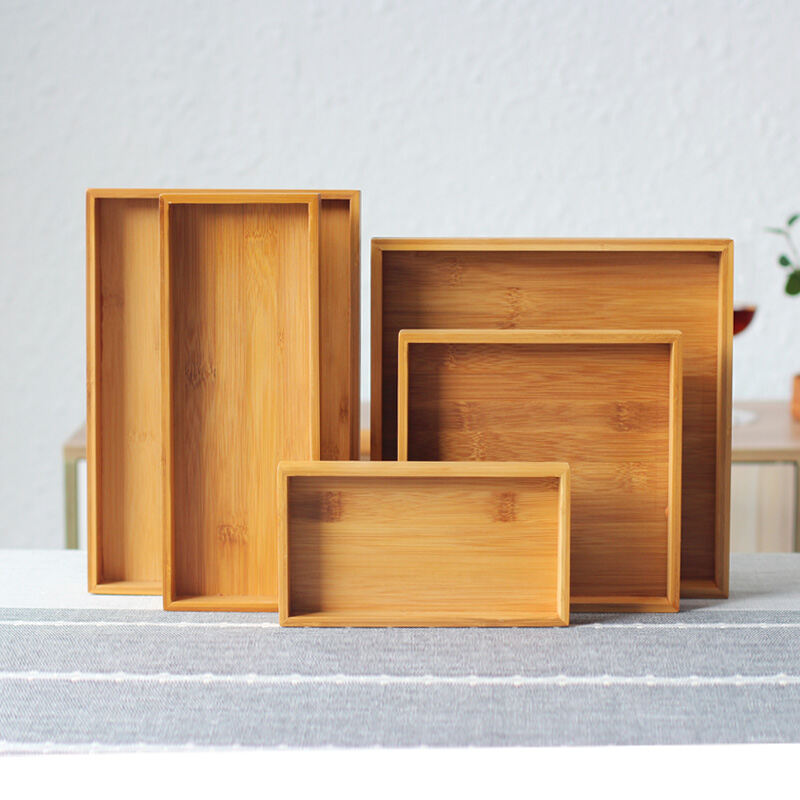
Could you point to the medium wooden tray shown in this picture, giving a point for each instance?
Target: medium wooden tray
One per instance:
(123, 391)
(388, 544)
(683, 285)
(606, 402)
(240, 372)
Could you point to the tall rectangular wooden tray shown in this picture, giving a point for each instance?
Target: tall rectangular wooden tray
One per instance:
(124, 372)
(664, 284)
(240, 371)
(606, 402)
(393, 544)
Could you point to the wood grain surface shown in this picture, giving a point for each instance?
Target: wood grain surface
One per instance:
(606, 402)
(123, 392)
(683, 285)
(388, 544)
(241, 386)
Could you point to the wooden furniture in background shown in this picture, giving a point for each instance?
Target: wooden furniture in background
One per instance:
(392, 544)
(240, 336)
(73, 451)
(123, 372)
(606, 402)
(773, 438)
(661, 284)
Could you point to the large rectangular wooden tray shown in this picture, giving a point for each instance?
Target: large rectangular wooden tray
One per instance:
(240, 372)
(606, 402)
(664, 284)
(392, 544)
(123, 370)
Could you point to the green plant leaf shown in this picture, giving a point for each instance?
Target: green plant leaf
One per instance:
(785, 261)
(793, 283)
(779, 231)
(791, 221)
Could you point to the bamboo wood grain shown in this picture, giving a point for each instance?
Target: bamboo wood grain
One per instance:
(606, 402)
(123, 392)
(240, 371)
(424, 544)
(340, 317)
(675, 284)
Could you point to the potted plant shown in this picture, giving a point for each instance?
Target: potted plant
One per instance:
(790, 261)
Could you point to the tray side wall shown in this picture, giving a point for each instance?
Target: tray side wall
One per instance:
(339, 326)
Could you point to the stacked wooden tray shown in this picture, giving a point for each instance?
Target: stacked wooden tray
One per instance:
(127, 347)
(560, 410)
(606, 402)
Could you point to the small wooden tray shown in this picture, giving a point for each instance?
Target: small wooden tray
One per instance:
(644, 284)
(241, 386)
(123, 391)
(390, 544)
(606, 402)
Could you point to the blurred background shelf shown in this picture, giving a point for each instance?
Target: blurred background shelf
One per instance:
(765, 480)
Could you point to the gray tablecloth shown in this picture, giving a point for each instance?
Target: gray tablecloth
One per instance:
(719, 671)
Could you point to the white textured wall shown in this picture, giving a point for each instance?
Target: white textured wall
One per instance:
(455, 118)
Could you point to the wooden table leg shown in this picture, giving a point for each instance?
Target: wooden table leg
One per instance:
(71, 503)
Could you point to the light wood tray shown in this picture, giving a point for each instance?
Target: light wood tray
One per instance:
(240, 330)
(123, 391)
(683, 285)
(124, 371)
(606, 402)
(389, 544)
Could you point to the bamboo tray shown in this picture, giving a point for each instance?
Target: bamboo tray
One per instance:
(606, 402)
(386, 544)
(124, 372)
(683, 285)
(123, 391)
(241, 386)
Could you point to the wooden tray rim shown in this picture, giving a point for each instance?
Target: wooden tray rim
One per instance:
(423, 469)
(716, 587)
(154, 194)
(590, 245)
(671, 600)
(166, 201)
